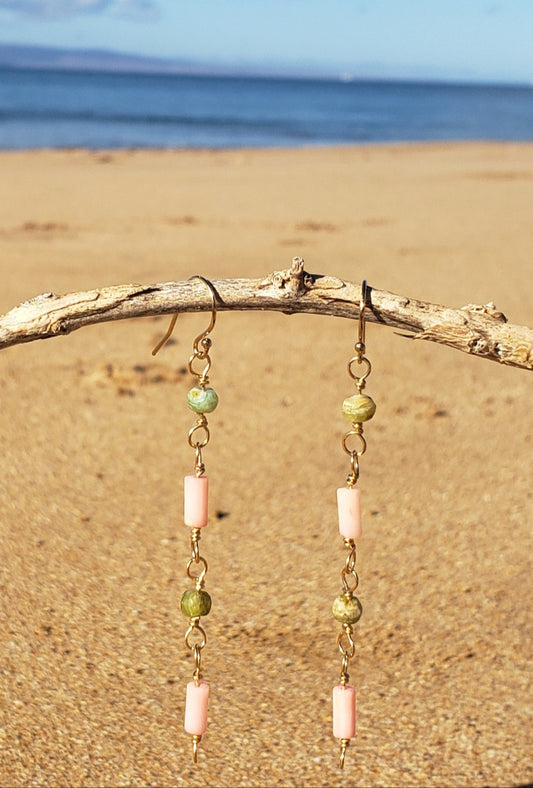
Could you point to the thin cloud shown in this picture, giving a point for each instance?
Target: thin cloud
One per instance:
(54, 9)
(142, 10)
(50, 9)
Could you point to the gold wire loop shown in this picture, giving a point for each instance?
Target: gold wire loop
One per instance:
(345, 642)
(197, 662)
(353, 476)
(349, 564)
(199, 464)
(200, 426)
(348, 571)
(357, 435)
(197, 578)
(345, 676)
(360, 380)
(349, 585)
(203, 376)
(198, 631)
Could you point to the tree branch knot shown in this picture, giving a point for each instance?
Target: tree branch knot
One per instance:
(293, 282)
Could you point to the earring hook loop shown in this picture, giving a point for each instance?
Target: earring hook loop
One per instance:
(173, 319)
(213, 320)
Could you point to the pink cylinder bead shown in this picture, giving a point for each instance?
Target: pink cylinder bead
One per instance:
(195, 496)
(196, 704)
(349, 506)
(343, 711)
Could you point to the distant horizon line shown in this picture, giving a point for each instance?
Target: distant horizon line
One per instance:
(35, 57)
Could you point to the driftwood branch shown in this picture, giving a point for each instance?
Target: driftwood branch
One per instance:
(477, 330)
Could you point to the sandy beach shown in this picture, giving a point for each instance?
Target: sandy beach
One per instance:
(93, 436)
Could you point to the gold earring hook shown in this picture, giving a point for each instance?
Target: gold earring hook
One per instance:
(172, 323)
(362, 306)
(213, 294)
(202, 343)
(167, 336)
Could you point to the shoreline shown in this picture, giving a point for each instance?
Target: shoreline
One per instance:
(319, 146)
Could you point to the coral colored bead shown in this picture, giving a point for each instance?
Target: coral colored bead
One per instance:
(196, 703)
(349, 506)
(195, 501)
(343, 711)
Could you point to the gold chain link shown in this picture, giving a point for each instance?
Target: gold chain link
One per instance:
(201, 348)
(349, 577)
(202, 428)
(359, 358)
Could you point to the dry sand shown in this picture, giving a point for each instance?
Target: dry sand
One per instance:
(93, 440)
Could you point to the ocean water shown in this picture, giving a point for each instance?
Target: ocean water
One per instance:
(52, 109)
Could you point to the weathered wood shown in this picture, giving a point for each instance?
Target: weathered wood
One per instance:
(478, 330)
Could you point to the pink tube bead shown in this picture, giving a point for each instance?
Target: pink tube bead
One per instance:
(343, 711)
(196, 703)
(195, 496)
(349, 506)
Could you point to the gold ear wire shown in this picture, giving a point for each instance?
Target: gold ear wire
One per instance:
(362, 305)
(213, 320)
(167, 336)
(209, 328)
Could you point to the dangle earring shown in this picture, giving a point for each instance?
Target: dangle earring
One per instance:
(347, 608)
(196, 602)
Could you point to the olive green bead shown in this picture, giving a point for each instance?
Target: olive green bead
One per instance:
(195, 603)
(202, 400)
(358, 408)
(347, 610)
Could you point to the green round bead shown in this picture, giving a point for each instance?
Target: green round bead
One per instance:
(358, 408)
(202, 400)
(347, 610)
(195, 603)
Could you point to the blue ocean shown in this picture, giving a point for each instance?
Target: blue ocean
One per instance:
(57, 109)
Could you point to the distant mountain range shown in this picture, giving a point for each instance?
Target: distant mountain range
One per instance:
(56, 58)
(19, 56)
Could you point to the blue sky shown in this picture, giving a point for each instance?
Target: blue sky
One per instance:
(488, 40)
